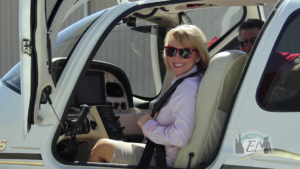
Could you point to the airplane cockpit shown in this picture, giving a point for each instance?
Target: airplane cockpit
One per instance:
(125, 77)
(104, 90)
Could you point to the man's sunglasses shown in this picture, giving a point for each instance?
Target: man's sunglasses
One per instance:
(183, 52)
(244, 42)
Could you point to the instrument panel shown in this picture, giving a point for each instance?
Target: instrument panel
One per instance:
(105, 94)
(115, 94)
(106, 90)
(102, 88)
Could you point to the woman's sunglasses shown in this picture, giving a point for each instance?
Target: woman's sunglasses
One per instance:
(183, 52)
(244, 42)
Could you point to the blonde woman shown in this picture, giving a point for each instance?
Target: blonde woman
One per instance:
(185, 53)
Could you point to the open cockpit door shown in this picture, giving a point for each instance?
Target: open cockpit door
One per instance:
(39, 23)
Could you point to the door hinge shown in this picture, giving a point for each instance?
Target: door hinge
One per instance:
(27, 48)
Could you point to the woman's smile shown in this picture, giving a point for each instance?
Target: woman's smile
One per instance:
(178, 65)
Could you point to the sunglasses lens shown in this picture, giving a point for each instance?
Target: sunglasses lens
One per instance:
(253, 40)
(243, 43)
(171, 51)
(185, 53)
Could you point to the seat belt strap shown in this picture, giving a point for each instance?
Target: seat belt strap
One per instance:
(160, 157)
(147, 155)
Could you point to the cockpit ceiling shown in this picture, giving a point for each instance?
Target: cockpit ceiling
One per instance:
(182, 7)
(167, 15)
(238, 2)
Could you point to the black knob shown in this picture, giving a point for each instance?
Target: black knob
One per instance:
(123, 106)
(93, 124)
(116, 105)
(109, 103)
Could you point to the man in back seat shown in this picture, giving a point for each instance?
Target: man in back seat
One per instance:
(248, 32)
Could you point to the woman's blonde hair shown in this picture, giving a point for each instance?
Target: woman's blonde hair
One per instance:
(188, 35)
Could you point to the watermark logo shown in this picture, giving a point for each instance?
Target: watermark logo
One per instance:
(252, 143)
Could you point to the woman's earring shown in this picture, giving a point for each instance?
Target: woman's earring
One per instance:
(197, 60)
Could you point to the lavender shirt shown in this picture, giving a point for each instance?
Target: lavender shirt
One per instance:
(175, 122)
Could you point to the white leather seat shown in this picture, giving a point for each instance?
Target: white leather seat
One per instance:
(213, 100)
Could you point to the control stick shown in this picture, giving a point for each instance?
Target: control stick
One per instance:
(85, 109)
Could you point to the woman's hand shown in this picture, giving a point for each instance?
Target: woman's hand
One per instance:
(142, 119)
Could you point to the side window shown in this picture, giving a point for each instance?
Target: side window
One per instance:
(216, 21)
(12, 79)
(130, 50)
(279, 88)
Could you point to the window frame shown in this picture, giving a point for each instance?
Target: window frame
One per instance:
(229, 31)
(295, 14)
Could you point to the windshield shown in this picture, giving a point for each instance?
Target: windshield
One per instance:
(130, 50)
(69, 37)
(67, 40)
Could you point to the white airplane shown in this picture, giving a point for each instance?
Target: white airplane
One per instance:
(92, 80)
